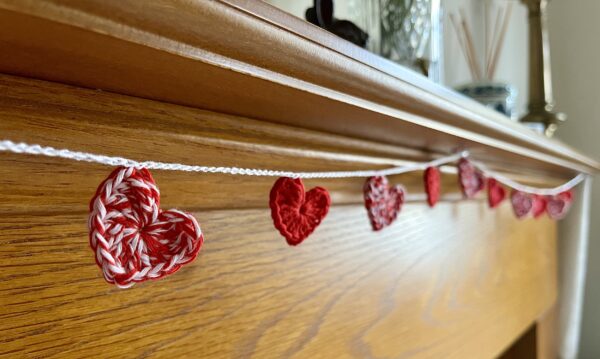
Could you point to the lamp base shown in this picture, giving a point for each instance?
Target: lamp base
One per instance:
(544, 121)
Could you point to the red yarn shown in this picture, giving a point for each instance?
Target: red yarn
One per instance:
(295, 213)
(496, 193)
(471, 181)
(432, 185)
(558, 206)
(539, 205)
(522, 203)
(383, 202)
(567, 195)
(132, 238)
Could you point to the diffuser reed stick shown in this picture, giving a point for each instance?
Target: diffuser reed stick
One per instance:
(498, 46)
(494, 35)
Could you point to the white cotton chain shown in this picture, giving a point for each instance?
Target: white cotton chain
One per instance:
(25, 148)
(22, 147)
(529, 189)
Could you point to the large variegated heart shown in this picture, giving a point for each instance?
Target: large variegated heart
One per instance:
(132, 238)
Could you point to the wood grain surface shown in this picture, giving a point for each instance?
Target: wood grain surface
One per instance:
(459, 281)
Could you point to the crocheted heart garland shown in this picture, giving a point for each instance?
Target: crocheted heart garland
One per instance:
(471, 181)
(539, 205)
(132, 238)
(432, 185)
(295, 213)
(496, 193)
(558, 206)
(522, 203)
(383, 202)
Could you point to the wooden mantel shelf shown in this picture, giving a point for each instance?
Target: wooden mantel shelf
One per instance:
(249, 59)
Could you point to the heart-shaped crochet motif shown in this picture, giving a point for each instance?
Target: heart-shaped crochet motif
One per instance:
(539, 205)
(295, 213)
(432, 185)
(471, 181)
(496, 193)
(558, 206)
(382, 201)
(132, 238)
(522, 203)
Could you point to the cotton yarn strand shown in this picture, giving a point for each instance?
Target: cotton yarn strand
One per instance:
(25, 148)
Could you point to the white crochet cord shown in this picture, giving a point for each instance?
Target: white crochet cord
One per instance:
(25, 148)
(7, 145)
(528, 189)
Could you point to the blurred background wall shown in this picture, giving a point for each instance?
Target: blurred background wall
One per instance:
(576, 70)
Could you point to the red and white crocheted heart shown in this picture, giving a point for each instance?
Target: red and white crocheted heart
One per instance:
(471, 181)
(496, 193)
(539, 205)
(132, 238)
(522, 203)
(432, 185)
(558, 206)
(383, 202)
(295, 213)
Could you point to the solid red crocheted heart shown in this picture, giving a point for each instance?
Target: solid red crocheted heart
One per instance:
(295, 213)
(471, 181)
(132, 238)
(539, 205)
(382, 201)
(496, 193)
(432, 185)
(567, 196)
(522, 203)
(558, 206)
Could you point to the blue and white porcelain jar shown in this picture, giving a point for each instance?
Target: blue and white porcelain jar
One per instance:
(498, 96)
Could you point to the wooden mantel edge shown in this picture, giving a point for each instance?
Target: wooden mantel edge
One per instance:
(416, 86)
(368, 82)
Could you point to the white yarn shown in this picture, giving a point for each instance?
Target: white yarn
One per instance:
(25, 148)
(528, 189)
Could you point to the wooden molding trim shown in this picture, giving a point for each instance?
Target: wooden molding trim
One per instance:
(249, 59)
(57, 115)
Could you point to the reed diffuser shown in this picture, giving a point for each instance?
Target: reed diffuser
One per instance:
(483, 87)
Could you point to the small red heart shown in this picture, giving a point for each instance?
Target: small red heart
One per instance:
(496, 193)
(471, 181)
(383, 202)
(432, 185)
(567, 196)
(295, 213)
(133, 239)
(558, 206)
(522, 203)
(539, 205)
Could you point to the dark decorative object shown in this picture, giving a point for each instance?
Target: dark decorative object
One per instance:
(321, 14)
